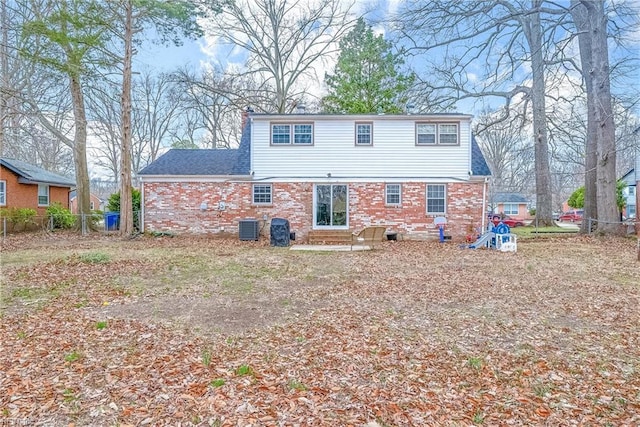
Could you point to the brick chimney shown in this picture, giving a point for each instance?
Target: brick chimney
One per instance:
(245, 117)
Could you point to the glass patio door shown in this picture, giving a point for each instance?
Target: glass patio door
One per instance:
(330, 201)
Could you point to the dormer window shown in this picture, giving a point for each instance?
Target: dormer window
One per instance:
(437, 134)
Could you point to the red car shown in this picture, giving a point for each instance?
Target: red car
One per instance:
(574, 216)
(511, 222)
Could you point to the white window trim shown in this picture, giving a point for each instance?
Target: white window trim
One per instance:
(370, 134)
(48, 194)
(3, 193)
(511, 206)
(253, 194)
(427, 200)
(438, 134)
(386, 195)
(292, 134)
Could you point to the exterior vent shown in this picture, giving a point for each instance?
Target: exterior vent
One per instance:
(248, 229)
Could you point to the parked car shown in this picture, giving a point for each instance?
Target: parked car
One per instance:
(507, 220)
(571, 216)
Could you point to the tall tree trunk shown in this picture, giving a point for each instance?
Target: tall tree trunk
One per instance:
(533, 32)
(4, 72)
(80, 146)
(608, 215)
(581, 20)
(126, 203)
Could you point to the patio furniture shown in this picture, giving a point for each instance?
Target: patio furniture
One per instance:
(368, 236)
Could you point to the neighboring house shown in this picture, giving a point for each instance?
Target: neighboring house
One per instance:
(629, 193)
(95, 202)
(23, 185)
(326, 172)
(512, 204)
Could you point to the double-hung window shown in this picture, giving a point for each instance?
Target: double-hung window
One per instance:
(426, 134)
(510, 209)
(262, 194)
(364, 133)
(43, 195)
(437, 134)
(392, 194)
(3, 193)
(436, 199)
(290, 133)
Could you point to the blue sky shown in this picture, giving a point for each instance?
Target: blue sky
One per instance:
(195, 52)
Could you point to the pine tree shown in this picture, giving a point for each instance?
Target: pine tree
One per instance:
(366, 78)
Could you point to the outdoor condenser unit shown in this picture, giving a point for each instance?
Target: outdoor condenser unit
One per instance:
(248, 229)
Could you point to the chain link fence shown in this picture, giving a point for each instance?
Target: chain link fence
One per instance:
(83, 224)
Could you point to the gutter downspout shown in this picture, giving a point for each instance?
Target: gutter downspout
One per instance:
(141, 206)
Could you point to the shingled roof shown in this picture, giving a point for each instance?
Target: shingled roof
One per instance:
(510, 198)
(210, 162)
(31, 174)
(479, 166)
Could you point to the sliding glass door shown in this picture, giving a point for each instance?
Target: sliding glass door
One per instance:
(331, 206)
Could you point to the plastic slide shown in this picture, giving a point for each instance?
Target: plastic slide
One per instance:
(482, 240)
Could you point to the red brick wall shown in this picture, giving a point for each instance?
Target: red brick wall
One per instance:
(176, 207)
(26, 195)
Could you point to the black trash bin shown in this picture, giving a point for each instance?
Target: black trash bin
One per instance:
(280, 234)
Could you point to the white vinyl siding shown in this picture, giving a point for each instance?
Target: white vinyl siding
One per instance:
(394, 154)
(43, 195)
(436, 199)
(3, 193)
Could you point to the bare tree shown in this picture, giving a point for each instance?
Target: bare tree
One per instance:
(591, 24)
(507, 39)
(155, 110)
(285, 40)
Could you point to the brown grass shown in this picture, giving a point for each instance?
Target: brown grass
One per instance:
(415, 333)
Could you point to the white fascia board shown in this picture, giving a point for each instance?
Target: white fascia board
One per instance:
(361, 117)
(335, 179)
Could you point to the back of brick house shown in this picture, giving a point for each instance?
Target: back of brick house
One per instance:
(333, 172)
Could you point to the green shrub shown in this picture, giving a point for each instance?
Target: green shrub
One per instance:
(113, 205)
(62, 217)
(18, 215)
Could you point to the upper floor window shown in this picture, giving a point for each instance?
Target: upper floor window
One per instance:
(43, 195)
(436, 199)
(437, 133)
(392, 194)
(364, 133)
(262, 194)
(631, 190)
(3, 193)
(301, 134)
(510, 209)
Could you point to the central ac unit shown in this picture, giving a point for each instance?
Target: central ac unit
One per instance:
(248, 229)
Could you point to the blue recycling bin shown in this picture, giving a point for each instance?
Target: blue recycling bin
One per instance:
(112, 221)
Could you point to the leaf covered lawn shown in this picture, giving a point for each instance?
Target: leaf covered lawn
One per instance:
(193, 331)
